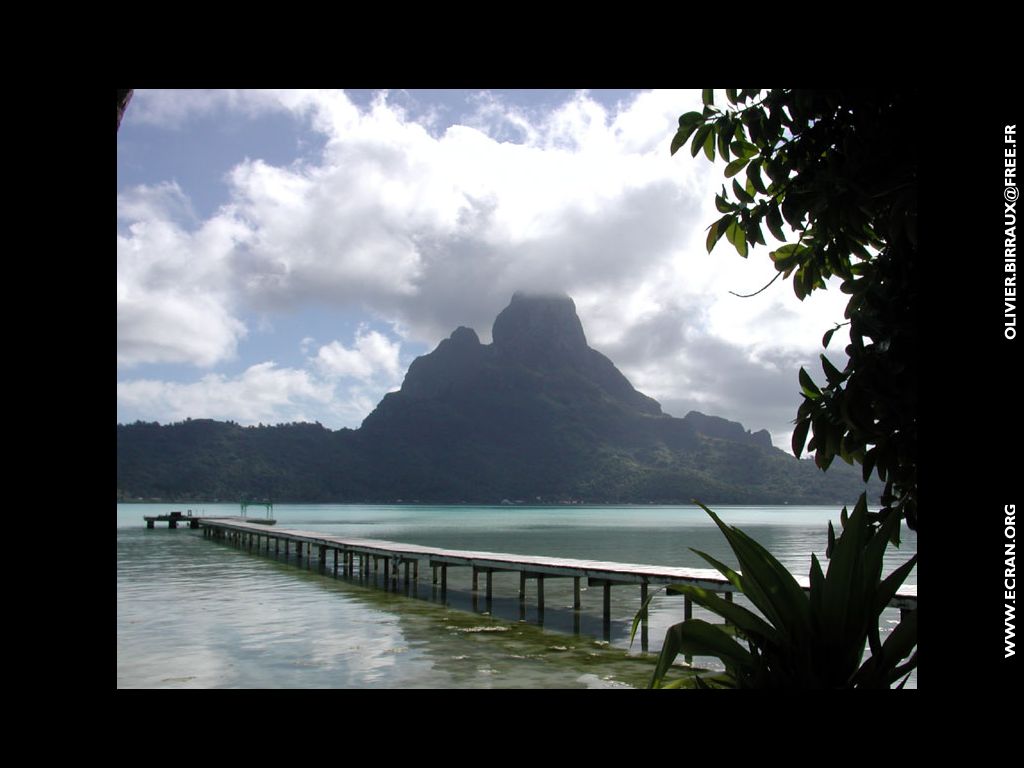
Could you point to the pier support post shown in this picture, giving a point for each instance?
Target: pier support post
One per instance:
(476, 583)
(576, 602)
(607, 604)
(149, 524)
(387, 562)
(444, 579)
(643, 620)
(522, 586)
(335, 562)
(540, 596)
(435, 575)
(406, 571)
(490, 582)
(323, 558)
(416, 569)
(687, 608)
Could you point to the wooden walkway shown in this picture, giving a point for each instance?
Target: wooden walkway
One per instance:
(174, 518)
(254, 535)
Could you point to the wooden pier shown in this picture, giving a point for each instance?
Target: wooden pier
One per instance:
(193, 521)
(255, 536)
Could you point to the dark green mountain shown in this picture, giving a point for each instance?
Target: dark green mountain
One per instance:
(535, 416)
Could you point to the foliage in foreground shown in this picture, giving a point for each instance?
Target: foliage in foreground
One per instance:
(839, 167)
(803, 641)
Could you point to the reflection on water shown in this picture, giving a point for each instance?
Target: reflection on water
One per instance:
(198, 613)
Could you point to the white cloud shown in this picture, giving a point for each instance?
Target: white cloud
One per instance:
(174, 287)
(263, 392)
(432, 231)
(372, 357)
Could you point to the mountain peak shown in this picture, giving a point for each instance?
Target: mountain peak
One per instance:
(540, 326)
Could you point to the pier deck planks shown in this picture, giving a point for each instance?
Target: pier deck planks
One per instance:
(596, 571)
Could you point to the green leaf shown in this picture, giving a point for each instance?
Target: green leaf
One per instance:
(859, 250)
(741, 193)
(734, 578)
(734, 234)
(844, 601)
(750, 624)
(808, 386)
(754, 176)
(708, 96)
(831, 372)
(687, 125)
(724, 128)
(730, 94)
(817, 579)
(680, 138)
(891, 584)
(793, 209)
(744, 149)
(717, 230)
(766, 582)
(641, 615)
(735, 167)
(800, 436)
(690, 119)
(698, 139)
(787, 256)
(774, 220)
(827, 337)
(699, 638)
(709, 146)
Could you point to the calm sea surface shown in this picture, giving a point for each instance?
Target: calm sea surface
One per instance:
(198, 613)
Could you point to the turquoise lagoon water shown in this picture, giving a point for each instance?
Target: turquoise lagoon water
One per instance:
(198, 613)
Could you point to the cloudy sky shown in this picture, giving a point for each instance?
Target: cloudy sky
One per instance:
(284, 255)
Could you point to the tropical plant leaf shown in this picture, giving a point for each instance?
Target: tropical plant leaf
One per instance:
(800, 436)
(844, 603)
(709, 146)
(891, 584)
(687, 125)
(831, 372)
(809, 387)
(697, 637)
(749, 623)
(734, 578)
(641, 615)
(767, 583)
(717, 230)
(735, 167)
(698, 140)
(774, 221)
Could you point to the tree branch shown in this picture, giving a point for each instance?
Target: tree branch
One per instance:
(747, 296)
